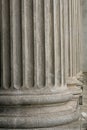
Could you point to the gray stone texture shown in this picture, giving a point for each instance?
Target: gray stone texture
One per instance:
(84, 43)
(40, 46)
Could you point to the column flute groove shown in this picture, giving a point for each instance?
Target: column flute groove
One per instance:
(77, 48)
(5, 45)
(74, 37)
(57, 46)
(70, 39)
(16, 44)
(73, 83)
(66, 38)
(39, 43)
(28, 43)
(49, 42)
(62, 43)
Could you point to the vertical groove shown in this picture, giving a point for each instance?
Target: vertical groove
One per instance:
(62, 43)
(79, 53)
(77, 49)
(39, 43)
(0, 40)
(72, 18)
(66, 25)
(5, 44)
(28, 43)
(70, 36)
(57, 43)
(49, 42)
(74, 37)
(80, 29)
(69, 28)
(75, 32)
(73, 40)
(77, 65)
(16, 43)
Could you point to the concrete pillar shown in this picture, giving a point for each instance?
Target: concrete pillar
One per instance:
(34, 63)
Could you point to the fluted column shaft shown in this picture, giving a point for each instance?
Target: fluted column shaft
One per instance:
(35, 45)
(74, 26)
(74, 42)
(34, 40)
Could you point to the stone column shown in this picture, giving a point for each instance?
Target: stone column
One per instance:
(34, 58)
(74, 46)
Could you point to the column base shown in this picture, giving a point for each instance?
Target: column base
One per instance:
(40, 116)
(70, 126)
(74, 85)
(24, 111)
(83, 78)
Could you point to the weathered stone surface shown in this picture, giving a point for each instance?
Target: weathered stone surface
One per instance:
(37, 37)
(38, 116)
(83, 78)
